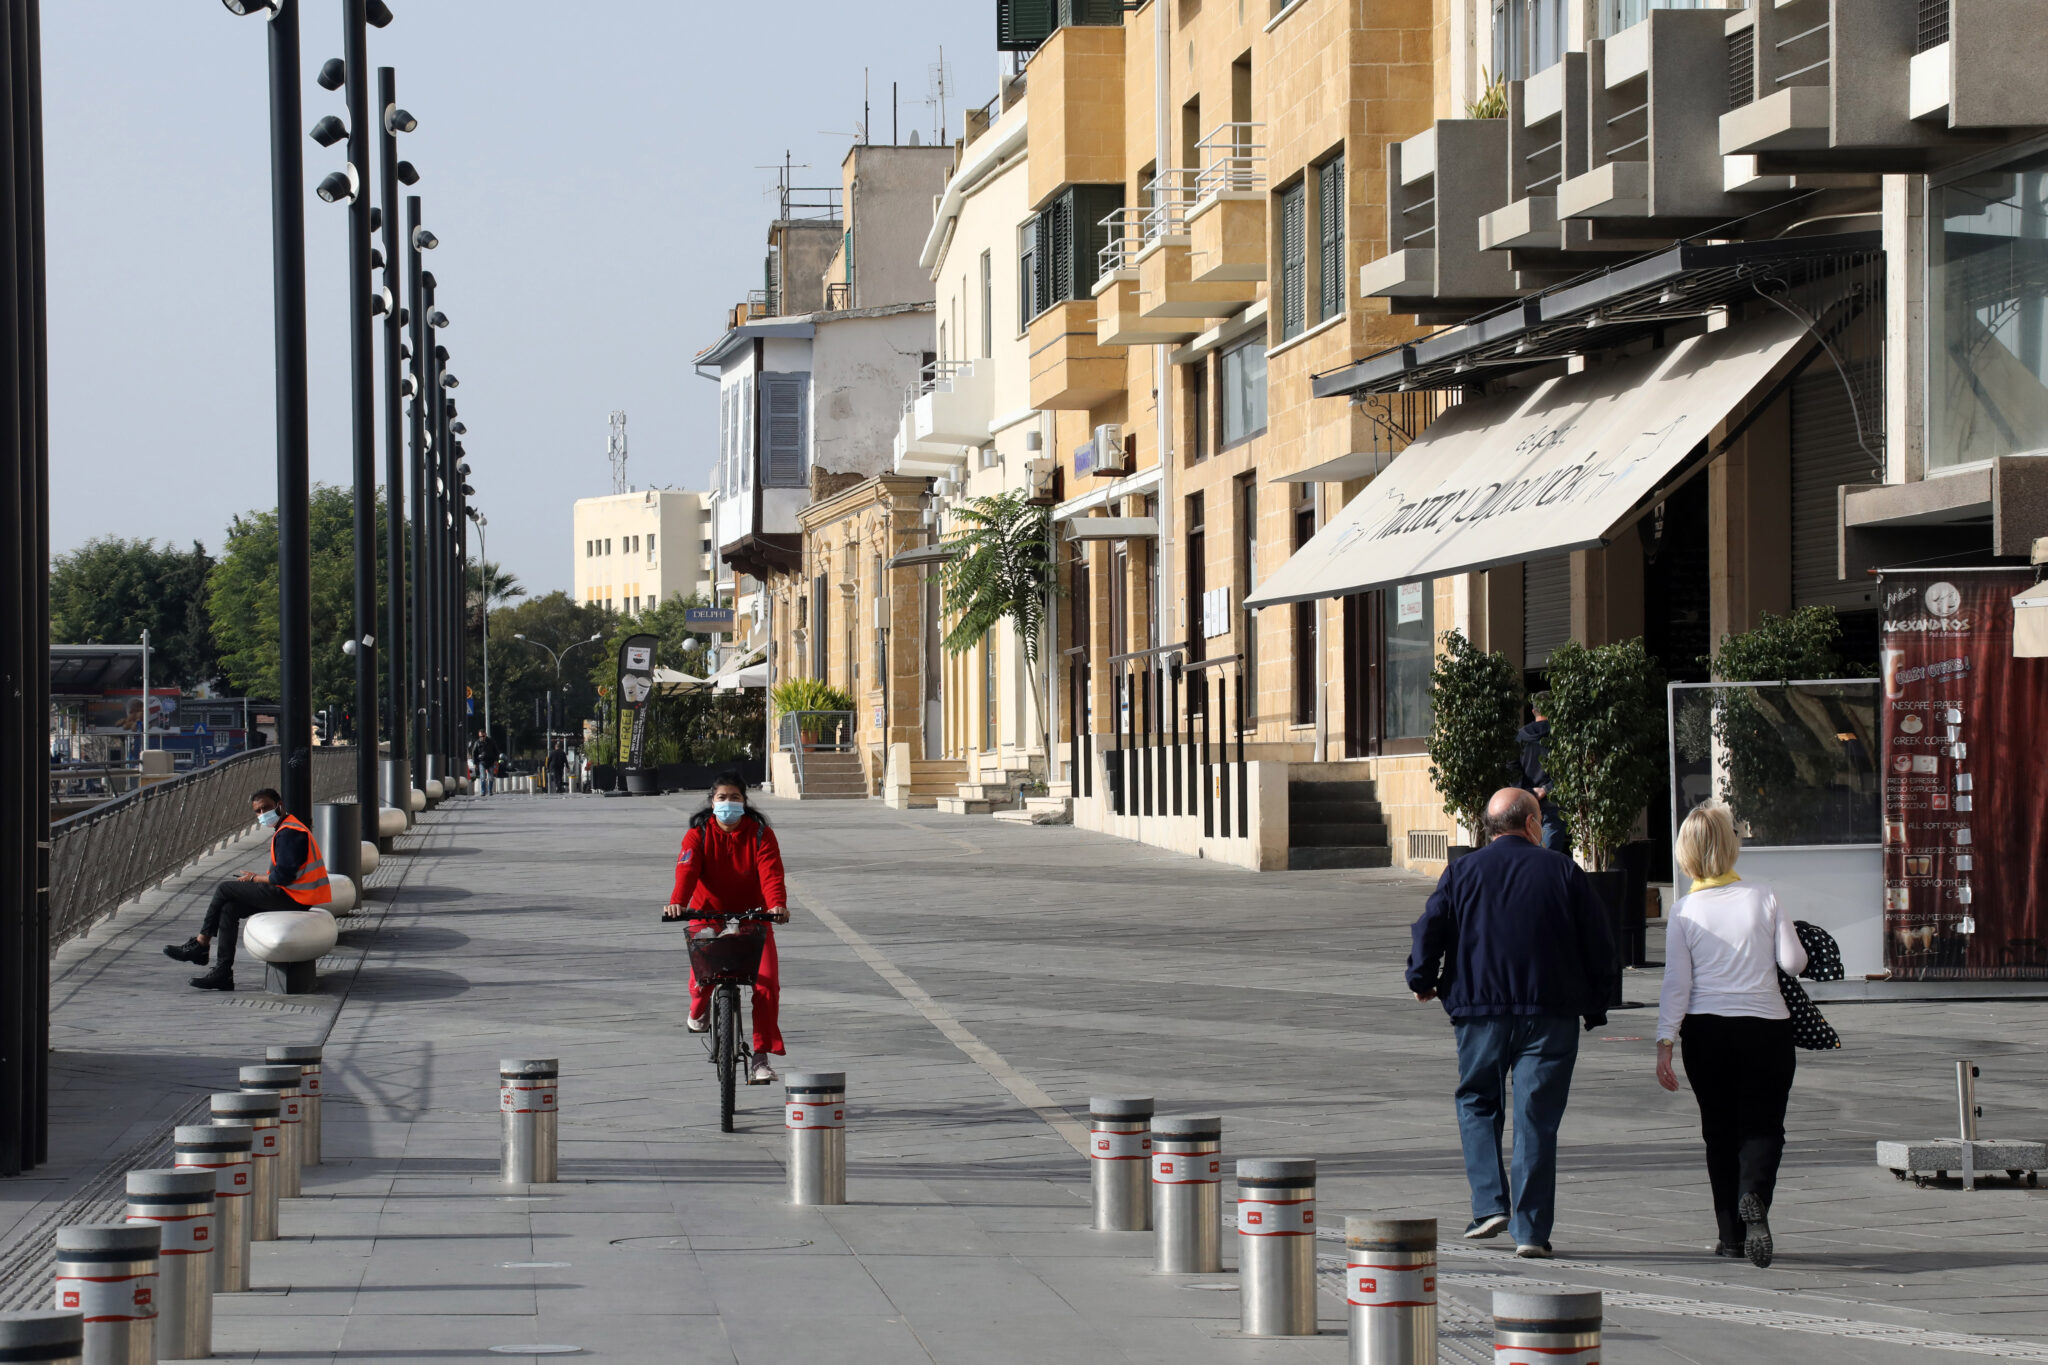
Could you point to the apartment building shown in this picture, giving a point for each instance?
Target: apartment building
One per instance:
(633, 550)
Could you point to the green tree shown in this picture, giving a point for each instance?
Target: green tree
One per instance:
(1002, 569)
(108, 591)
(1607, 742)
(242, 598)
(1475, 708)
(522, 675)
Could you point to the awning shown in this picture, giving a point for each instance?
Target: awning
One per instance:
(922, 555)
(754, 675)
(2030, 623)
(675, 680)
(1535, 473)
(1113, 528)
(1358, 464)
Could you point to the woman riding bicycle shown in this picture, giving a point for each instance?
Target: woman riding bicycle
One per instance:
(730, 862)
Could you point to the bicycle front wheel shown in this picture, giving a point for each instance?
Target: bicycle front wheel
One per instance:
(725, 1048)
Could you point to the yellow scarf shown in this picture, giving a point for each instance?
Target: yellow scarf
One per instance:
(1709, 883)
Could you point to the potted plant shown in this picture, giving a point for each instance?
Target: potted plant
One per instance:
(804, 698)
(1475, 706)
(1607, 758)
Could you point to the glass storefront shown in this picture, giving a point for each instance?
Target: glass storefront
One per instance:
(1411, 654)
(1987, 312)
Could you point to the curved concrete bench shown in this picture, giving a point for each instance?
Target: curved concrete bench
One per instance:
(344, 895)
(435, 789)
(416, 801)
(390, 821)
(371, 857)
(289, 943)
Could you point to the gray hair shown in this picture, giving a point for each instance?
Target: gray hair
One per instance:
(1509, 812)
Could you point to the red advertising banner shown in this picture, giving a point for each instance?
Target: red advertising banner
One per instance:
(1965, 848)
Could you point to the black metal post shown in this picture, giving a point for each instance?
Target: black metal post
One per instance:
(363, 408)
(416, 671)
(432, 569)
(1145, 738)
(1173, 730)
(1244, 816)
(1223, 756)
(1074, 782)
(395, 672)
(35, 547)
(1208, 797)
(294, 549)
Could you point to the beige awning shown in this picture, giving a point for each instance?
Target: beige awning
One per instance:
(1534, 473)
(2030, 623)
(1358, 464)
(922, 555)
(1113, 528)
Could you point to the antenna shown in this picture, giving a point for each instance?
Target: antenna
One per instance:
(940, 84)
(615, 451)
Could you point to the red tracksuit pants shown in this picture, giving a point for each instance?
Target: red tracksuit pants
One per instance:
(767, 992)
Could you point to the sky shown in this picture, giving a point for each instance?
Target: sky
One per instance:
(594, 171)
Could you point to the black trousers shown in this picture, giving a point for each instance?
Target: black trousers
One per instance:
(1741, 1073)
(234, 902)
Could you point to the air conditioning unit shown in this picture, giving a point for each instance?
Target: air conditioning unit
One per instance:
(1043, 475)
(1112, 453)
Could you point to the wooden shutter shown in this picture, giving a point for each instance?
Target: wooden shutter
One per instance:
(1059, 215)
(1091, 204)
(1043, 295)
(1293, 260)
(1021, 25)
(1330, 216)
(784, 413)
(1091, 12)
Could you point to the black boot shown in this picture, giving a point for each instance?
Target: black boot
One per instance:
(221, 978)
(191, 950)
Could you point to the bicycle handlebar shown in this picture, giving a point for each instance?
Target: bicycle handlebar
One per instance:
(689, 914)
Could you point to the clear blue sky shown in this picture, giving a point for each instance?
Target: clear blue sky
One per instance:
(590, 168)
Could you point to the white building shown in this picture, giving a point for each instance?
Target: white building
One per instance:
(633, 550)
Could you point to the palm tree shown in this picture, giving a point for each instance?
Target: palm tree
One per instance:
(1002, 569)
(490, 585)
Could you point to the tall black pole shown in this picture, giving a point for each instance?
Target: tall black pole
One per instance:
(395, 687)
(434, 571)
(29, 134)
(294, 552)
(416, 671)
(363, 404)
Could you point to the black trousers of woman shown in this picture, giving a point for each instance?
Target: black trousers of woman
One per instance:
(1741, 1073)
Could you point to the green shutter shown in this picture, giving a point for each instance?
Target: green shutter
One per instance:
(1021, 25)
(1330, 214)
(1091, 204)
(1293, 260)
(1099, 12)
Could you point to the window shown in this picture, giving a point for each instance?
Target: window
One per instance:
(1305, 640)
(988, 305)
(1411, 653)
(707, 545)
(1243, 392)
(785, 418)
(1197, 579)
(1528, 37)
(743, 441)
(1062, 257)
(650, 549)
(1198, 411)
(1616, 15)
(1247, 580)
(1293, 259)
(1027, 271)
(988, 694)
(607, 545)
(1987, 314)
(1330, 238)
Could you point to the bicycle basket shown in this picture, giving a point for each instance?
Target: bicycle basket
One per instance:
(728, 957)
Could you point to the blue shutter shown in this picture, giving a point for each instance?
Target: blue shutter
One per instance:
(1330, 216)
(1293, 260)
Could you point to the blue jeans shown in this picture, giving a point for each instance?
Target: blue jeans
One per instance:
(1556, 836)
(1539, 1050)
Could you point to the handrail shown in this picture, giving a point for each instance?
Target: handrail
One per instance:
(1170, 194)
(1126, 228)
(1234, 160)
(795, 726)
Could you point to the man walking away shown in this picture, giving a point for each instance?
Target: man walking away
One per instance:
(483, 757)
(297, 881)
(1515, 944)
(1535, 741)
(557, 769)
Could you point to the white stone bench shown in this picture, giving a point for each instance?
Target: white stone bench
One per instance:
(289, 943)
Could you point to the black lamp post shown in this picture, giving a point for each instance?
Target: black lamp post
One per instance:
(363, 404)
(398, 674)
(416, 377)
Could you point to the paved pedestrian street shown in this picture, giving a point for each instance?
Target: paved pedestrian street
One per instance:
(977, 982)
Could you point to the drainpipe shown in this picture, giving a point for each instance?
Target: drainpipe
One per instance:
(1165, 600)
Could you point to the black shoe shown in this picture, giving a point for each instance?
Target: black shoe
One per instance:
(191, 950)
(1757, 1239)
(221, 978)
(1728, 1251)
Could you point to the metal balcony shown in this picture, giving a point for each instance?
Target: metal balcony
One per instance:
(1227, 225)
(954, 403)
(1440, 183)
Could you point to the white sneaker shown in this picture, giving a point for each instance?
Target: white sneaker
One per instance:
(699, 1023)
(764, 1072)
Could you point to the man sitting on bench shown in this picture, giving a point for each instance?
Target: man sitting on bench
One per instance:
(297, 881)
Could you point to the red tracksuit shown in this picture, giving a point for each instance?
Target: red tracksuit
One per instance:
(736, 869)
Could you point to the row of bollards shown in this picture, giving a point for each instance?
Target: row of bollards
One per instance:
(141, 1290)
(1390, 1263)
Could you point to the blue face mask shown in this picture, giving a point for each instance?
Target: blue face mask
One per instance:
(728, 812)
(269, 819)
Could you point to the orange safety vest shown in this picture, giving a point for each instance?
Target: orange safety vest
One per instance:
(311, 888)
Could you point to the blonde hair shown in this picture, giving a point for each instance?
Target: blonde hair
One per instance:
(1707, 844)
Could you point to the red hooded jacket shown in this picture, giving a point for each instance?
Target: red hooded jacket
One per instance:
(736, 869)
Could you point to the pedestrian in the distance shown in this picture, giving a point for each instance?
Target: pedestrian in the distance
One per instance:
(1723, 1008)
(557, 769)
(297, 881)
(483, 757)
(1534, 739)
(1514, 941)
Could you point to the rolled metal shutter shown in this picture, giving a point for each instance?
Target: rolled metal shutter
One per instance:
(1825, 455)
(1546, 608)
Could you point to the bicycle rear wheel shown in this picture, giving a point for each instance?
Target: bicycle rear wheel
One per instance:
(725, 1034)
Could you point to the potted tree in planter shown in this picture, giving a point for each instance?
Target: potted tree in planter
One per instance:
(804, 698)
(1606, 762)
(1476, 705)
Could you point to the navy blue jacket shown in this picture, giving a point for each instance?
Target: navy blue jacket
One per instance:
(1514, 929)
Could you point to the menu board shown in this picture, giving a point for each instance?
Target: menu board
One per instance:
(1965, 855)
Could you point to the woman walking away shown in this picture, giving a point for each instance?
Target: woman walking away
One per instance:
(1722, 1006)
(730, 861)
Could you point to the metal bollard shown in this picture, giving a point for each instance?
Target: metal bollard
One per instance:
(1561, 1327)
(1119, 1148)
(224, 1150)
(1187, 1195)
(107, 1273)
(526, 1097)
(260, 1113)
(1390, 1282)
(283, 1082)
(51, 1338)
(305, 1056)
(814, 1111)
(180, 1205)
(1276, 1247)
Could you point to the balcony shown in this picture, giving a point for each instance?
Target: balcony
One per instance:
(1653, 92)
(1166, 285)
(954, 403)
(1227, 225)
(1121, 319)
(1878, 85)
(923, 458)
(1077, 110)
(1070, 369)
(1440, 183)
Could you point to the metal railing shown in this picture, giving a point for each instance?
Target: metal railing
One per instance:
(838, 296)
(1174, 721)
(116, 851)
(1169, 194)
(1233, 158)
(1126, 238)
(816, 732)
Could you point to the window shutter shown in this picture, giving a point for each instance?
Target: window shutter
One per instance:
(1292, 260)
(1091, 204)
(1091, 12)
(1060, 226)
(1042, 273)
(744, 438)
(1021, 25)
(1330, 205)
(784, 412)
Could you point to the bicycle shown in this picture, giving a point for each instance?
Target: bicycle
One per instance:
(724, 962)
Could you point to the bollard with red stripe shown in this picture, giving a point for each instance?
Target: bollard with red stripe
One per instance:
(283, 1082)
(527, 1099)
(1560, 1327)
(1187, 1195)
(47, 1337)
(1119, 1158)
(814, 1112)
(108, 1273)
(1390, 1284)
(225, 1151)
(259, 1113)
(179, 1204)
(1276, 1247)
(305, 1056)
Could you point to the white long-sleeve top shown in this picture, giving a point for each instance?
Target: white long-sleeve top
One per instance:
(1721, 956)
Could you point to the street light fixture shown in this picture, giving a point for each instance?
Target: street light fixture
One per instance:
(459, 429)
(449, 381)
(407, 174)
(398, 120)
(424, 240)
(267, 8)
(333, 75)
(338, 187)
(329, 130)
(437, 318)
(378, 13)
(558, 674)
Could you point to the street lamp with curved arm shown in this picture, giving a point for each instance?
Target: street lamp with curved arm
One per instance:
(558, 672)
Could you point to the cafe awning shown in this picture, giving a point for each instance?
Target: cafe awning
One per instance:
(1536, 472)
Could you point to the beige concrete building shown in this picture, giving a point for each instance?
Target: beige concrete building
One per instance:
(633, 550)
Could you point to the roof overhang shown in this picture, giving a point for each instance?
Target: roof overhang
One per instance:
(1113, 528)
(922, 556)
(736, 339)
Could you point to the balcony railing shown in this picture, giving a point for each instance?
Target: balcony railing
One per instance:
(1126, 238)
(1170, 194)
(939, 374)
(1232, 158)
(839, 296)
